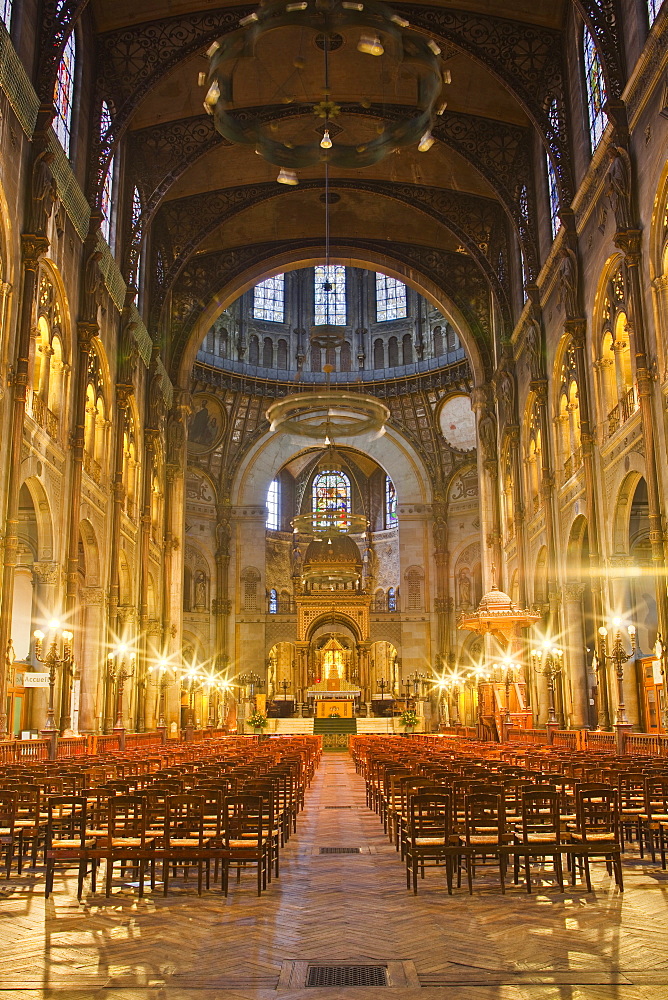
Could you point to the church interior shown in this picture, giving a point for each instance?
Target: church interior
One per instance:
(334, 498)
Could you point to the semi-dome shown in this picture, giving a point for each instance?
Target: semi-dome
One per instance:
(495, 601)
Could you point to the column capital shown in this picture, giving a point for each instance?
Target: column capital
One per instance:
(46, 572)
(573, 592)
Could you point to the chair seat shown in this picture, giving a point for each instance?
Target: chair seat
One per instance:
(483, 839)
(5, 831)
(61, 845)
(539, 838)
(185, 842)
(598, 838)
(131, 842)
(241, 843)
(429, 842)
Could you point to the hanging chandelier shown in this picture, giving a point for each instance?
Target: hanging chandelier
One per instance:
(329, 414)
(270, 61)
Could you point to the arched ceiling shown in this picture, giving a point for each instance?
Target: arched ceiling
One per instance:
(207, 201)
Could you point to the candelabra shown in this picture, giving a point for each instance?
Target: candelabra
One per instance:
(407, 684)
(382, 684)
(506, 672)
(618, 657)
(252, 681)
(547, 661)
(417, 679)
(194, 679)
(479, 674)
(59, 655)
(119, 670)
(285, 684)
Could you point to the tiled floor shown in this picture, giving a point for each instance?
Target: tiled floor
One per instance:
(329, 908)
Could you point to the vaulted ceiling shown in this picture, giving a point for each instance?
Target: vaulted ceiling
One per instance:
(455, 213)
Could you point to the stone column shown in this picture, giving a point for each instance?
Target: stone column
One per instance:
(488, 476)
(33, 247)
(93, 661)
(151, 444)
(576, 654)
(46, 579)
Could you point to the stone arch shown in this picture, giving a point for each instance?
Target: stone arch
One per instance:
(327, 620)
(540, 594)
(43, 517)
(622, 511)
(578, 533)
(271, 452)
(658, 240)
(92, 553)
(295, 259)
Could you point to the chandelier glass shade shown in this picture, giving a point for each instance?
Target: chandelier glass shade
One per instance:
(365, 44)
(328, 415)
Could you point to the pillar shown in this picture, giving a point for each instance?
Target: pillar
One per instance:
(575, 654)
(93, 660)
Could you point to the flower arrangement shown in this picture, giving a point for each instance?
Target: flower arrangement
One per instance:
(257, 720)
(334, 715)
(408, 719)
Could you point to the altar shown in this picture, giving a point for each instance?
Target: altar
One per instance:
(333, 694)
(344, 708)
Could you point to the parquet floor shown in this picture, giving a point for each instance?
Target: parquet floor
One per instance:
(331, 908)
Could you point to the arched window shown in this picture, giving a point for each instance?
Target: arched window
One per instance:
(272, 506)
(552, 185)
(391, 599)
(346, 356)
(6, 12)
(391, 520)
(615, 363)
(407, 349)
(269, 299)
(137, 234)
(330, 499)
(390, 299)
(282, 361)
(254, 351)
(63, 95)
(569, 415)
(107, 204)
(378, 354)
(392, 352)
(414, 577)
(437, 335)
(330, 295)
(596, 93)
(268, 353)
(653, 8)
(273, 602)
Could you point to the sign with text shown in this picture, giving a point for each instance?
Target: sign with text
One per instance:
(36, 680)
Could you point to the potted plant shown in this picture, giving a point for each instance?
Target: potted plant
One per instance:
(334, 715)
(408, 720)
(257, 721)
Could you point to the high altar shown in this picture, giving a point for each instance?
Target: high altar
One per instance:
(333, 693)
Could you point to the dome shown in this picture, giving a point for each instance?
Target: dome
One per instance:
(336, 559)
(494, 602)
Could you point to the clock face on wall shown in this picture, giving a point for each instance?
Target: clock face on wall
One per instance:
(457, 422)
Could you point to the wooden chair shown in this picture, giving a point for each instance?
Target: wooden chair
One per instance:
(243, 839)
(183, 839)
(7, 826)
(30, 821)
(66, 840)
(128, 839)
(429, 837)
(653, 815)
(485, 831)
(540, 831)
(597, 832)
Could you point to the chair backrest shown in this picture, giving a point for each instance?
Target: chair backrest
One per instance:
(597, 812)
(540, 812)
(7, 812)
(485, 815)
(430, 816)
(127, 816)
(656, 795)
(66, 818)
(242, 818)
(184, 817)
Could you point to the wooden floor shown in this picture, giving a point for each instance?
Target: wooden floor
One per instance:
(329, 908)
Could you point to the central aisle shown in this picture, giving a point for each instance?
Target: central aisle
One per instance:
(329, 908)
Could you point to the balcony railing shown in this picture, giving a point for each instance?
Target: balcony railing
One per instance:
(383, 607)
(572, 464)
(92, 468)
(625, 409)
(282, 606)
(43, 416)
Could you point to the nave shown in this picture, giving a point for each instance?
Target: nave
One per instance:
(326, 909)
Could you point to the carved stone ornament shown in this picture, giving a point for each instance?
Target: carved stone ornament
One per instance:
(92, 287)
(618, 186)
(568, 283)
(44, 192)
(92, 596)
(487, 435)
(46, 572)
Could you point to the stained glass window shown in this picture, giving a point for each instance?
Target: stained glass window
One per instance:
(273, 602)
(272, 506)
(108, 187)
(330, 295)
(391, 520)
(268, 299)
(653, 8)
(596, 94)
(390, 299)
(391, 599)
(523, 202)
(553, 191)
(331, 499)
(136, 237)
(6, 12)
(63, 94)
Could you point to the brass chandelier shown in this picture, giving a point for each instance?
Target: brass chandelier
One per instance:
(240, 72)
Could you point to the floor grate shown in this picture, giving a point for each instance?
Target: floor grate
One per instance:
(347, 975)
(338, 807)
(340, 850)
